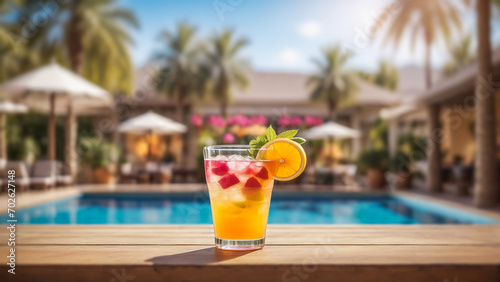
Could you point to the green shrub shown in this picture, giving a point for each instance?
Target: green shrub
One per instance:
(414, 146)
(401, 162)
(98, 153)
(373, 158)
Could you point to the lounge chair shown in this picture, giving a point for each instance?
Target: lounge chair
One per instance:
(183, 175)
(61, 178)
(141, 173)
(350, 174)
(126, 173)
(159, 172)
(44, 174)
(164, 174)
(22, 179)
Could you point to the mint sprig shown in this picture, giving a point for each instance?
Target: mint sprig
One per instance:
(260, 141)
(299, 140)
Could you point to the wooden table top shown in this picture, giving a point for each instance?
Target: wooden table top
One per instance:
(292, 253)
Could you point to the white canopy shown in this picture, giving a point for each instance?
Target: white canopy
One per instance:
(7, 107)
(151, 122)
(331, 130)
(33, 89)
(56, 90)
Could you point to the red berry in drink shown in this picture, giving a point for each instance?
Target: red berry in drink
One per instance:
(263, 173)
(219, 168)
(228, 181)
(252, 189)
(252, 182)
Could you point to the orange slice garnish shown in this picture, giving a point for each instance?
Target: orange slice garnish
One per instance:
(287, 158)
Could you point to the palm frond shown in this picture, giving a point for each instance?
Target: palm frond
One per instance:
(227, 70)
(121, 15)
(333, 82)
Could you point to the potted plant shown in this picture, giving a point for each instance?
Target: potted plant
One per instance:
(374, 161)
(102, 157)
(401, 166)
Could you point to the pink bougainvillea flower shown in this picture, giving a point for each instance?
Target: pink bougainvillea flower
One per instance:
(197, 120)
(284, 120)
(228, 138)
(259, 120)
(241, 120)
(254, 120)
(216, 121)
(296, 121)
(309, 120)
(231, 121)
(318, 121)
(313, 121)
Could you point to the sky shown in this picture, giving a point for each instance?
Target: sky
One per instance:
(284, 34)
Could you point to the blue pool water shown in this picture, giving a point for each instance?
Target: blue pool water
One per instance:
(286, 208)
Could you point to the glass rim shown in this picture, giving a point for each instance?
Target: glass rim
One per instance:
(211, 151)
(231, 148)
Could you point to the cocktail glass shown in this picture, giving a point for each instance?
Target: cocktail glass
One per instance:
(240, 191)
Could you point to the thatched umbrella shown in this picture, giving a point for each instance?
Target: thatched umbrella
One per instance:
(56, 90)
(331, 131)
(151, 123)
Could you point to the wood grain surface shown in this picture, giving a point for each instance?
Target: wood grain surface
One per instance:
(293, 253)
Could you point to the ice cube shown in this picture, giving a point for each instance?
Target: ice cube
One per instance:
(236, 197)
(220, 158)
(237, 158)
(237, 163)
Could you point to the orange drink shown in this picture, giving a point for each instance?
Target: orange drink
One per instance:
(240, 183)
(240, 195)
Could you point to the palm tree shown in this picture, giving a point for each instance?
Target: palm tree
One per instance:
(14, 57)
(486, 191)
(226, 69)
(386, 76)
(366, 76)
(180, 74)
(332, 82)
(430, 20)
(460, 55)
(94, 39)
(496, 8)
(5, 8)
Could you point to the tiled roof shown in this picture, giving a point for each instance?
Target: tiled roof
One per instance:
(273, 88)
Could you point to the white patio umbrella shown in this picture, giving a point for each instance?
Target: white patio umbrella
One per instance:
(56, 90)
(150, 123)
(331, 131)
(7, 107)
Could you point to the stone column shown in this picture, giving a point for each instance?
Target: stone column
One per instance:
(393, 137)
(486, 189)
(51, 150)
(434, 181)
(70, 140)
(356, 142)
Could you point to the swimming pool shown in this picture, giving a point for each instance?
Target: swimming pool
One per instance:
(286, 208)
